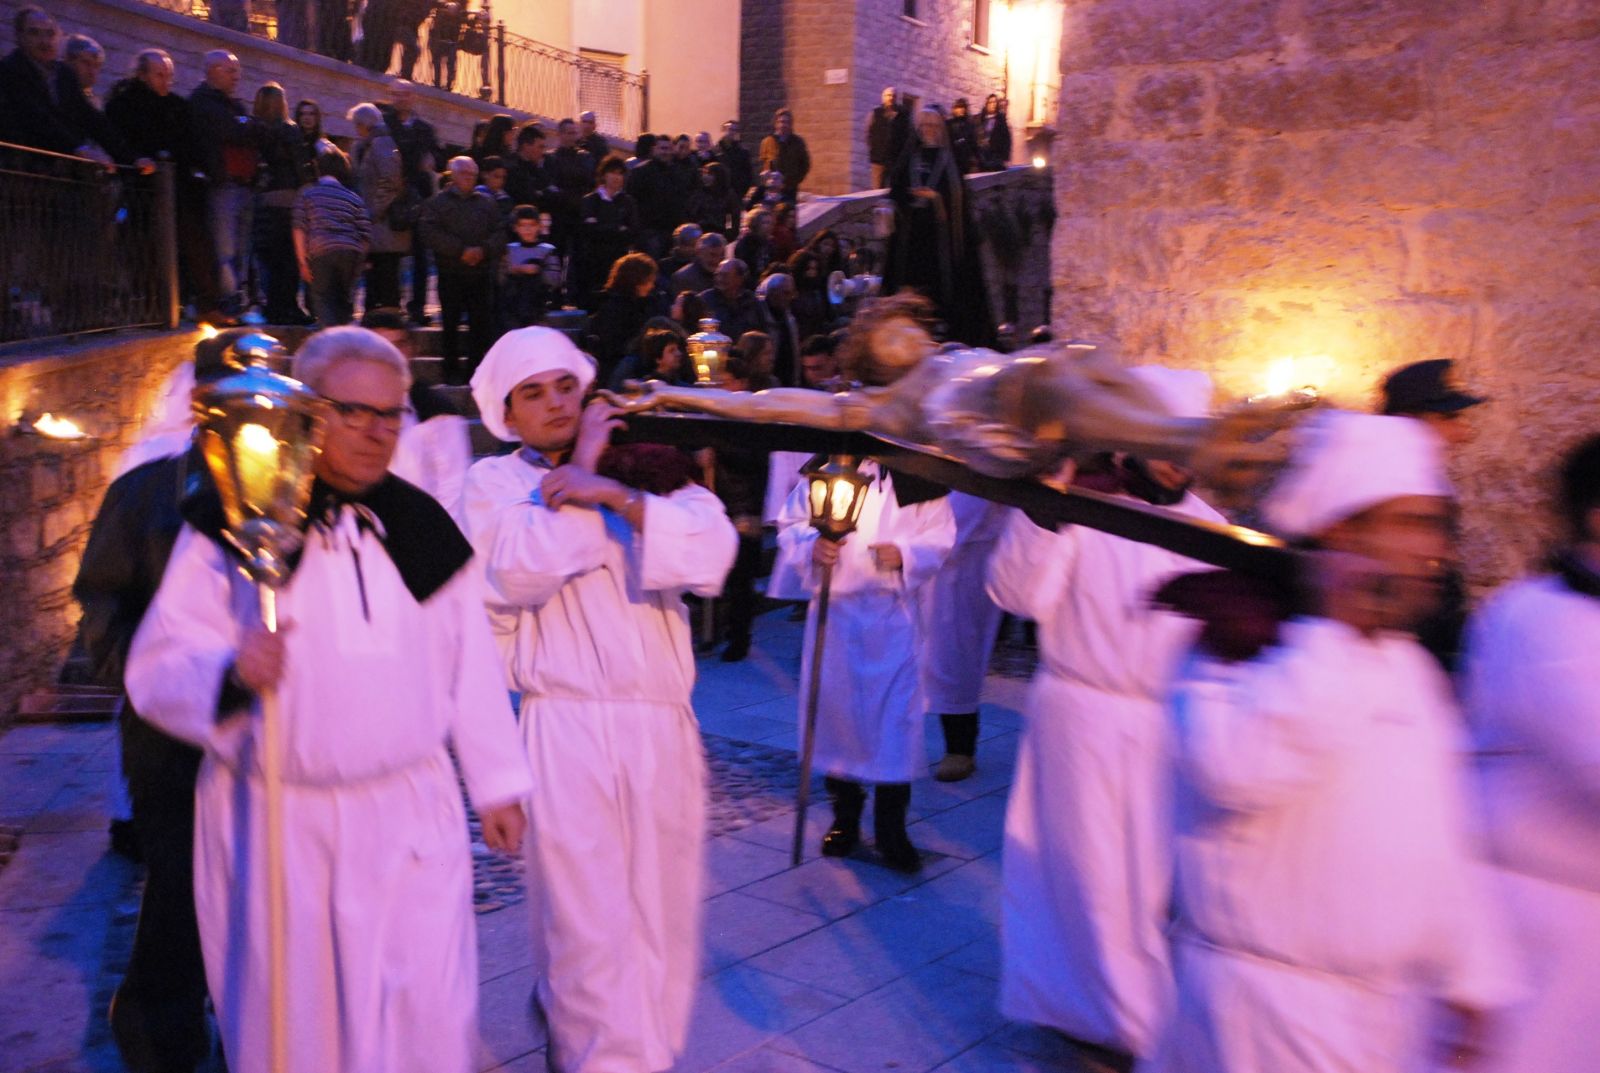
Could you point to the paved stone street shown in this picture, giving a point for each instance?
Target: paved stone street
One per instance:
(832, 966)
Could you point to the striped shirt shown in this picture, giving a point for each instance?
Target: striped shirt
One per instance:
(332, 216)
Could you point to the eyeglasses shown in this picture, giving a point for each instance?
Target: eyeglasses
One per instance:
(361, 417)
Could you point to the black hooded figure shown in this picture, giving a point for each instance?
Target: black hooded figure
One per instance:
(934, 247)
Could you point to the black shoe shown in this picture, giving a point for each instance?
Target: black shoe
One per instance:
(736, 651)
(891, 800)
(848, 801)
(420, 320)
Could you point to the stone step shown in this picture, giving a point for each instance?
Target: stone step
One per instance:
(429, 341)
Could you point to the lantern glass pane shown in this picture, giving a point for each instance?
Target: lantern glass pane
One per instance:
(819, 498)
(839, 507)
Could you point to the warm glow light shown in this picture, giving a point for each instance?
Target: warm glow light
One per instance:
(256, 454)
(59, 428)
(1309, 372)
(209, 331)
(1039, 161)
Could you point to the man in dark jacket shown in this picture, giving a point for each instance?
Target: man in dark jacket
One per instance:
(590, 140)
(226, 141)
(531, 180)
(573, 169)
(464, 230)
(420, 157)
(886, 133)
(732, 154)
(655, 187)
(730, 302)
(155, 123)
(45, 106)
(785, 152)
(158, 1015)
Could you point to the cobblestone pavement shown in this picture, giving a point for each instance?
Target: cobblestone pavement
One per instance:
(835, 966)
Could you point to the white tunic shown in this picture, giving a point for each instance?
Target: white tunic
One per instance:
(961, 621)
(1087, 861)
(435, 455)
(1326, 883)
(591, 620)
(870, 709)
(1533, 675)
(382, 957)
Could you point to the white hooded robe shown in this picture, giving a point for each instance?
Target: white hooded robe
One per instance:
(382, 953)
(592, 624)
(870, 710)
(1533, 670)
(1327, 887)
(1087, 861)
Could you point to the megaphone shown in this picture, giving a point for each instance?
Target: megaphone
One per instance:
(842, 288)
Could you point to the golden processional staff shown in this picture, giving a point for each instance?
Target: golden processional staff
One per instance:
(261, 434)
(835, 491)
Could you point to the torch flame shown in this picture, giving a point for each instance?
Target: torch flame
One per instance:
(59, 428)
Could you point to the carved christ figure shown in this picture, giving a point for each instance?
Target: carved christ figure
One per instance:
(1003, 415)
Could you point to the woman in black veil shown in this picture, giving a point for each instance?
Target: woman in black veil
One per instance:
(933, 249)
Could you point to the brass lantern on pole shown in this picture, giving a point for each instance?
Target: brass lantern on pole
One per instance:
(261, 434)
(708, 353)
(835, 491)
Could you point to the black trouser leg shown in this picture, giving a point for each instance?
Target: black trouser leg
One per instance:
(739, 591)
(891, 800)
(452, 298)
(960, 733)
(481, 328)
(418, 305)
(159, 1017)
(383, 281)
(849, 799)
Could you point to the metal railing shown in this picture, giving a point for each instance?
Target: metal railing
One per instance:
(505, 68)
(85, 249)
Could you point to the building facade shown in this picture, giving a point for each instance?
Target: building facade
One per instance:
(829, 61)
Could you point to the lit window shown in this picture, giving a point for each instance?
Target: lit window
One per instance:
(980, 23)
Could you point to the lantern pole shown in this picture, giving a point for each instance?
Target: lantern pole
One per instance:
(261, 433)
(272, 792)
(808, 743)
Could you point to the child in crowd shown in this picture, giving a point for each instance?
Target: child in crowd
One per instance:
(531, 278)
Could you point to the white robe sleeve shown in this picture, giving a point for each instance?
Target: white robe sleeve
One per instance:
(1251, 736)
(1031, 568)
(483, 728)
(1536, 684)
(793, 576)
(925, 535)
(185, 644)
(529, 551)
(687, 542)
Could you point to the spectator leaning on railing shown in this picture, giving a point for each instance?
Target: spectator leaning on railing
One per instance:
(155, 123)
(227, 143)
(44, 103)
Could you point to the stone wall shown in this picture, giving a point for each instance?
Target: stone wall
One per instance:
(1347, 186)
(1020, 197)
(126, 27)
(50, 489)
(787, 48)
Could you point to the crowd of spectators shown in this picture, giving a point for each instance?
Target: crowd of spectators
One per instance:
(979, 142)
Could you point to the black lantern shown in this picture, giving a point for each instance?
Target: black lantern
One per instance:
(835, 491)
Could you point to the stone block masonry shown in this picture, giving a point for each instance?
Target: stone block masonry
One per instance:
(1341, 187)
(50, 489)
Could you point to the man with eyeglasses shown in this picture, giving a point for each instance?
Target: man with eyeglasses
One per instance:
(384, 665)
